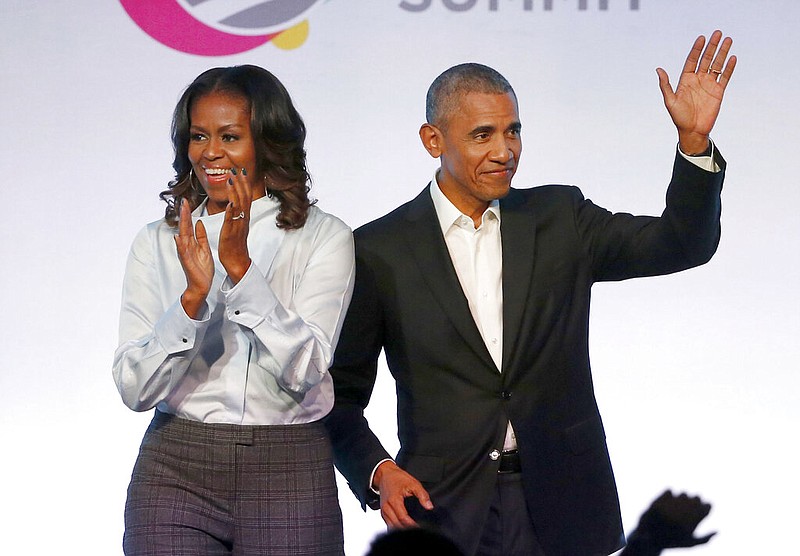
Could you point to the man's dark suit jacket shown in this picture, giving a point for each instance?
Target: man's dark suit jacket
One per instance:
(453, 404)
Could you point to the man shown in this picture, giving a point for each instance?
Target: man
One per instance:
(479, 296)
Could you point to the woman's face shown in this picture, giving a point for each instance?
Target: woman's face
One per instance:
(219, 140)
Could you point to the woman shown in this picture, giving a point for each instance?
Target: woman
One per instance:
(227, 328)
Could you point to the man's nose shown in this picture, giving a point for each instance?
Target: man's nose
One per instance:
(501, 151)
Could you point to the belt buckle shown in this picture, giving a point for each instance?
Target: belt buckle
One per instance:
(509, 462)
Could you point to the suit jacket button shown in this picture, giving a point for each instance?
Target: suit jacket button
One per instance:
(494, 455)
(506, 395)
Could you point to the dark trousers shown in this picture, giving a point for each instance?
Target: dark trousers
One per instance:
(508, 530)
(200, 489)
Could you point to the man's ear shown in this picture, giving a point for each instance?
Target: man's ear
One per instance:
(432, 139)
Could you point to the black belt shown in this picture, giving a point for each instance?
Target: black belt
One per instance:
(509, 462)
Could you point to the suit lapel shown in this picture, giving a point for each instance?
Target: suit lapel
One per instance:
(425, 241)
(517, 228)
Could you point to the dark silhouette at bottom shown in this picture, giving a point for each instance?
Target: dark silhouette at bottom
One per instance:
(420, 541)
(669, 522)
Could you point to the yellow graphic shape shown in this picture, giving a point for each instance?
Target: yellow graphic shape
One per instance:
(293, 37)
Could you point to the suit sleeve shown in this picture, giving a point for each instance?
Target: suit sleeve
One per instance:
(684, 236)
(356, 448)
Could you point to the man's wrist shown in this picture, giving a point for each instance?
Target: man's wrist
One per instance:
(695, 145)
(375, 477)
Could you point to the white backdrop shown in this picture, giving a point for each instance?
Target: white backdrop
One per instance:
(696, 373)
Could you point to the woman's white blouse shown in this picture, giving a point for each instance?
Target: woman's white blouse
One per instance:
(260, 353)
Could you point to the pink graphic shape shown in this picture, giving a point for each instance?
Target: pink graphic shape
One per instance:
(168, 23)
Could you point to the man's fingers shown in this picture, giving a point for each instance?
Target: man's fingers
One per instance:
(422, 495)
(663, 84)
(406, 520)
(395, 515)
(708, 54)
(690, 66)
(393, 509)
(395, 486)
(727, 72)
(719, 67)
(721, 55)
(389, 517)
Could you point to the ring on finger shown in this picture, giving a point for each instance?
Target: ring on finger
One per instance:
(715, 71)
(238, 216)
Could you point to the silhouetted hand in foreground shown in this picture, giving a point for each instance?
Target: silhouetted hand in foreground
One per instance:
(669, 522)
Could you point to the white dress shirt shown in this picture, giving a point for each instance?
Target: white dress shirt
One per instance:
(477, 255)
(260, 353)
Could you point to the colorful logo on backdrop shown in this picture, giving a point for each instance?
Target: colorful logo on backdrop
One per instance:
(494, 5)
(222, 27)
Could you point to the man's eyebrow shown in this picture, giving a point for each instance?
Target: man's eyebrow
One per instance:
(482, 129)
(515, 126)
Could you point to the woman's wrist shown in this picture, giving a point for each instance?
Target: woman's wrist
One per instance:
(193, 302)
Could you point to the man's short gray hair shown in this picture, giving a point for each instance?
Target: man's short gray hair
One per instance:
(447, 90)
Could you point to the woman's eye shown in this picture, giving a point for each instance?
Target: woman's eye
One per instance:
(196, 137)
(229, 138)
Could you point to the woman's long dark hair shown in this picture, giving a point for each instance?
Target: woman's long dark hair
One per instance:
(278, 132)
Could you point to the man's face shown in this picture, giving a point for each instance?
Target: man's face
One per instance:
(479, 146)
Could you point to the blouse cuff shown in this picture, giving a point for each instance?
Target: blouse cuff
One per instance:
(250, 300)
(176, 331)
